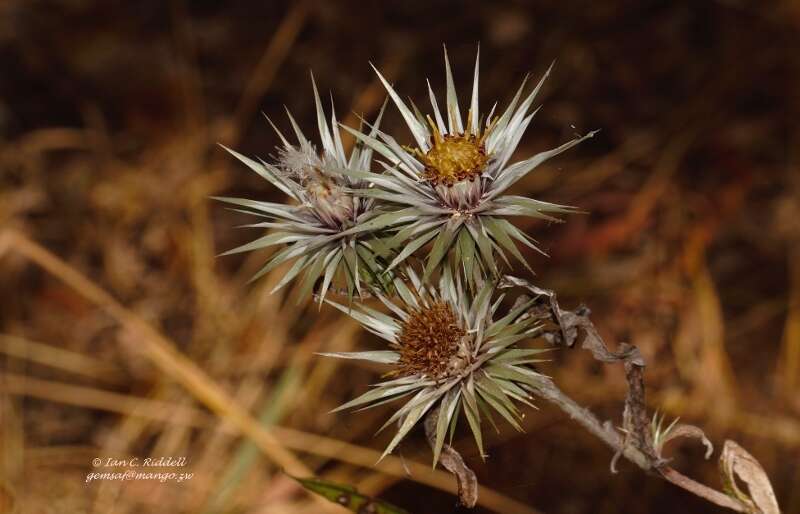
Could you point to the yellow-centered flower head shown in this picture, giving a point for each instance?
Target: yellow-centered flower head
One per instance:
(453, 157)
(450, 188)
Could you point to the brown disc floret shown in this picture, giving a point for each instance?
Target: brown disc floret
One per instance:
(431, 342)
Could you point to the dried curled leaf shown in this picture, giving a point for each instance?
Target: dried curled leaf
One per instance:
(643, 440)
(661, 436)
(348, 497)
(735, 462)
(566, 328)
(452, 462)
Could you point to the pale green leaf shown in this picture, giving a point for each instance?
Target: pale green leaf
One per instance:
(380, 356)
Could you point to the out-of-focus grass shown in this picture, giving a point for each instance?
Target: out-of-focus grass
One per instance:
(123, 335)
(245, 456)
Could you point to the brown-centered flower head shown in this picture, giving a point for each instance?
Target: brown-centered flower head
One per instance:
(450, 349)
(431, 342)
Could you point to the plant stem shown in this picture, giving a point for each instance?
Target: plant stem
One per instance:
(547, 390)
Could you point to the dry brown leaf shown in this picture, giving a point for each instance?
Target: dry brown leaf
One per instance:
(735, 462)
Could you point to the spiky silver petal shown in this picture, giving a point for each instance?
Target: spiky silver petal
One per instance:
(454, 194)
(469, 362)
(316, 229)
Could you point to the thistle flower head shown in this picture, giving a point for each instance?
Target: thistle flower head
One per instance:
(300, 164)
(452, 159)
(315, 228)
(325, 192)
(448, 350)
(451, 187)
(431, 342)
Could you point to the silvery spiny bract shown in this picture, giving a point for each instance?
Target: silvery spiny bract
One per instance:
(450, 188)
(315, 229)
(449, 349)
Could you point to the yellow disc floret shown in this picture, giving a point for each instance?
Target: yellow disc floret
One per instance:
(453, 157)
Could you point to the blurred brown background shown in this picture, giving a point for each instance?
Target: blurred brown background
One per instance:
(123, 335)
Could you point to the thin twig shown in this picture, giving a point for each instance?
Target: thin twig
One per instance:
(567, 328)
(547, 390)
